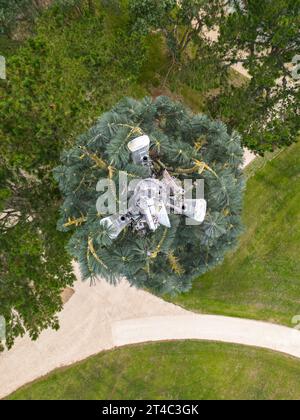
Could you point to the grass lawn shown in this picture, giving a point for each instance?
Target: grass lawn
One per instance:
(184, 370)
(261, 279)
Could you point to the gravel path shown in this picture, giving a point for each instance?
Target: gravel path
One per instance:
(208, 327)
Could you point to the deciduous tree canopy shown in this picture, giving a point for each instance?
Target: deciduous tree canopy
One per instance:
(261, 35)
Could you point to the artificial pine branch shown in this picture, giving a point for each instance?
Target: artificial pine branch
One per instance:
(185, 145)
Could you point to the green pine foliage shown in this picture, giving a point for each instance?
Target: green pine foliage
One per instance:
(167, 260)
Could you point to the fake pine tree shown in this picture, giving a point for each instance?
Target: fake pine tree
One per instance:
(187, 146)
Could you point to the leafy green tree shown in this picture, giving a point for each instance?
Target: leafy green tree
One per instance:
(80, 61)
(264, 37)
(34, 267)
(190, 146)
(181, 22)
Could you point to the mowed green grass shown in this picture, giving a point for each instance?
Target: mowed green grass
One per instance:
(261, 279)
(174, 370)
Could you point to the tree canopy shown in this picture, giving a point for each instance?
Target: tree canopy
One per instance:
(57, 82)
(261, 35)
(191, 146)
